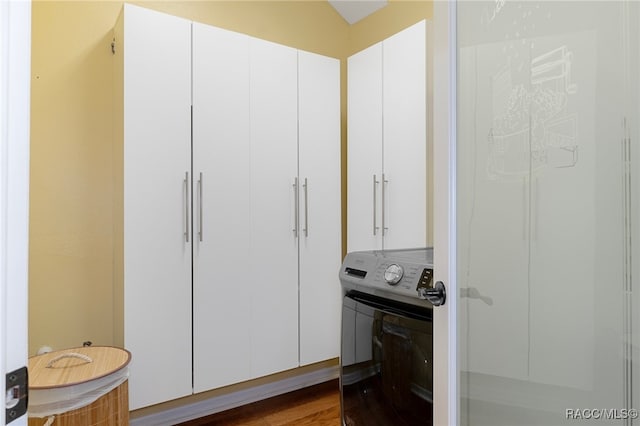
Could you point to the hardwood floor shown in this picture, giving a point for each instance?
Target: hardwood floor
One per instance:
(317, 405)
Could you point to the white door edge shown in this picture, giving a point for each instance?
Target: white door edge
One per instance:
(446, 371)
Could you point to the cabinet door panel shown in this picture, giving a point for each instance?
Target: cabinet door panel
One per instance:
(272, 283)
(404, 138)
(319, 168)
(364, 145)
(157, 154)
(221, 149)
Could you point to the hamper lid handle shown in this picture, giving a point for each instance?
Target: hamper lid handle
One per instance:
(69, 355)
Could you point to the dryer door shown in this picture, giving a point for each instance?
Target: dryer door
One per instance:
(386, 373)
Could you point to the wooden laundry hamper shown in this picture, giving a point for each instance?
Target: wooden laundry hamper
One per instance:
(79, 387)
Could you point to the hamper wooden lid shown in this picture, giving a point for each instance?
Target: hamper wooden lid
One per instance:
(74, 366)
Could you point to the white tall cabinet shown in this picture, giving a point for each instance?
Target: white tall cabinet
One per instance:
(274, 250)
(387, 143)
(319, 206)
(155, 79)
(230, 271)
(222, 200)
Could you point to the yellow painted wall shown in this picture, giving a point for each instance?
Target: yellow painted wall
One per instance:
(72, 169)
(70, 244)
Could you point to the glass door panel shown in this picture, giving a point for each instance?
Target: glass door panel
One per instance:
(547, 115)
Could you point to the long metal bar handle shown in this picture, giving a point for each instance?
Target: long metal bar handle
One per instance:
(536, 209)
(306, 208)
(375, 204)
(296, 209)
(200, 203)
(525, 193)
(384, 181)
(186, 206)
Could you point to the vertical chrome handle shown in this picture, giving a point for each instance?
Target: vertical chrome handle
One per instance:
(384, 181)
(296, 208)
(536, 202)
(186, 206)
(200, 202)
(306, 208)
(375, 204)
(524, 208)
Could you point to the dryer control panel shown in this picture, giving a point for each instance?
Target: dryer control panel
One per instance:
(402, 273)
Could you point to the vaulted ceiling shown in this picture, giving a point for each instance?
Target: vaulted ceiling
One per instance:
(354, 10)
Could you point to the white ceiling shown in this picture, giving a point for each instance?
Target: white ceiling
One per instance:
(354, 10)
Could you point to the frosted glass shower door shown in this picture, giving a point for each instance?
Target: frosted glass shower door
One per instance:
(547, 116)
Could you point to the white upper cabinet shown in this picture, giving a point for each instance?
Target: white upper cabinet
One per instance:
(319, 206)
(222, 205)
(364, 142)
(404, 139)
(387, 143)
(157, 234)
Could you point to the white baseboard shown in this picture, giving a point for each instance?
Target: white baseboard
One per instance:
(235, 399)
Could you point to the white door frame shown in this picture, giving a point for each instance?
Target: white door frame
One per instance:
(445, 370)
(15, 17)
(15, 59)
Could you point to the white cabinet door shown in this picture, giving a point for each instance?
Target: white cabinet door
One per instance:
(221, 195)
(157, 160)
(387, 143)
(364, 149)
(272, 282)
(404, 153)
(319, 206)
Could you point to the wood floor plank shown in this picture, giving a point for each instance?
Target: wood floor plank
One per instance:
(328, 417)
(304, 408)
(317, 405)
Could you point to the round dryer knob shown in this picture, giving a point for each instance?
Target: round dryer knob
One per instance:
(393, 274)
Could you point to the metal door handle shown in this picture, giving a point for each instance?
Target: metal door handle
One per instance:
(524, 208)
(375, 204)
(306, 208)
(296, 208)
(200, 202)
(536, 209)
(384, 228)
(437, 295)
(186, 206)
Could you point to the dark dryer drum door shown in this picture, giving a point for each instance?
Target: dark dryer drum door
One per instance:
(386, 362)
